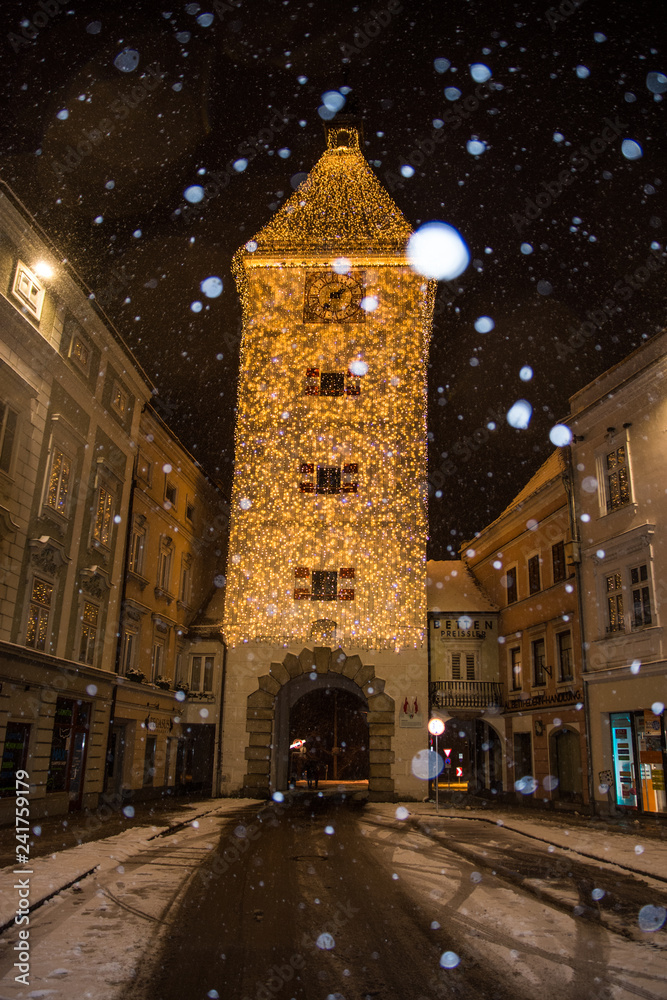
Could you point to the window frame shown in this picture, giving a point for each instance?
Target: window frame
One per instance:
(563, 677)
(88, 631)
(516, 684)
(558, 548)
(643, 588)
(514, 588)
(158, 651)
(613, 442)
(82, 365)
(7, 411)
(44, 612)
(33, 305)
(534, 575)
(539, 670)
(58, 450)
(102, 521)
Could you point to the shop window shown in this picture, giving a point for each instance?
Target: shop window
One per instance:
(515, 667)
(512, 593)
(28, 290)
(58, 482)
(617, 478)
(523, 756)
(641, 597)
(638, 750)
(88, 632)
(565, 663)
(534, 574)
(14, 755)
(558, 561)
(539, 668)
(8, 422)
(103, 521)
(68, 748)
(615, 618)
(38, 614)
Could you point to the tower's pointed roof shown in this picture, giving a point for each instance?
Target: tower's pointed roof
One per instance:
(340, 207)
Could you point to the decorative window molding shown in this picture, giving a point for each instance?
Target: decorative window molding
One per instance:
(28, 290)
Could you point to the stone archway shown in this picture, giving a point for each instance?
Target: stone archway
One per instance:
(261, 717)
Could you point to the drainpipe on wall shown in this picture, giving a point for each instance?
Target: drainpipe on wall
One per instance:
(568, 480)
(222, 704)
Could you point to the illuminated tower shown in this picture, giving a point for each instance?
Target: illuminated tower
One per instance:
(326, 581)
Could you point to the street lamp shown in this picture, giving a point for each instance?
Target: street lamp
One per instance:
(436, 727)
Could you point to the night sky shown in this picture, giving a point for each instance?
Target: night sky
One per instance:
(246, 81)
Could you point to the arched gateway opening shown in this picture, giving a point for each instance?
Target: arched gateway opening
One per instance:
(340, 700)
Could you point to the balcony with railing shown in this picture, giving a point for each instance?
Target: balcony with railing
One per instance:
(466, 694)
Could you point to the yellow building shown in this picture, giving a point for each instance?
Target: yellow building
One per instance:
(326, 570)
(167, 700)
(525, 562)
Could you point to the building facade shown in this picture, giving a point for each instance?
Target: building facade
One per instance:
(327, 565)
(526, 562)
(70, 401)
(464, 677)
(620, 491)
(166, 712)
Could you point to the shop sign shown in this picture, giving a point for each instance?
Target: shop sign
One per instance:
(156, 725)
(568, 697)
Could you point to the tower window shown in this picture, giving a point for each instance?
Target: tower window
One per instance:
(350, 478)
(319, 383)
(322, 584)
(328, 479)
(332, 384)
(307, 470)
(325, 582)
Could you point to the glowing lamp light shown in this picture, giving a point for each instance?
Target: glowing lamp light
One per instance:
(43, 270)
(436, 727)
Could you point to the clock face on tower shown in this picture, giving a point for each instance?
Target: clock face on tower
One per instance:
(334, 298)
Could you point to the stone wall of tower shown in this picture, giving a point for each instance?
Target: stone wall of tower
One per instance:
(381, 530)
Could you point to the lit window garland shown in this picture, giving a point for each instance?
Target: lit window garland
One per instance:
(382, 528)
